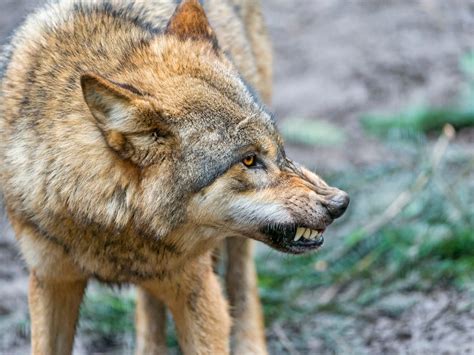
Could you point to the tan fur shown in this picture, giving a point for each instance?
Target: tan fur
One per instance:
(54, 305)
(123, 137)
(202, 329)
(150, 324)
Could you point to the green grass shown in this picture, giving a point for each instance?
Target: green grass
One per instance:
(311, 132)
(425, 118)
(416, 119)
(107, 321)
(107, 318)
(429, 244)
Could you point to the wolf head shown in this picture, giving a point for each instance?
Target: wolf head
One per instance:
(204, 151)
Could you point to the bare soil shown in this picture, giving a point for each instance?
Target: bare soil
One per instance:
(334, 60)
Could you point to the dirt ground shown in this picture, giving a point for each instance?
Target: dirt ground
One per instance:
(334, 60)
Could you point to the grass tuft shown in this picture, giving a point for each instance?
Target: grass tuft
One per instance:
(425, 118)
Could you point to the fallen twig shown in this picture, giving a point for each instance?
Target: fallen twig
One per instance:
(439, 314)
(284, 340)
(404, 199)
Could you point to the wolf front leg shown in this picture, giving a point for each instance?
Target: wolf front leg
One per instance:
(150, 324)
(248, 332)
(199, 309)
(55, 292)
(54, 308)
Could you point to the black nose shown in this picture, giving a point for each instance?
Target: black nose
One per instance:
(337, 205)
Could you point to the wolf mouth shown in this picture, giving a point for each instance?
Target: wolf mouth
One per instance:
(294, 238)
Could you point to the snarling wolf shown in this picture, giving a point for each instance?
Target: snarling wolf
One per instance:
(134, 141)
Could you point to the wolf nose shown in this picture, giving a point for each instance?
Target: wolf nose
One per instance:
(337, 205)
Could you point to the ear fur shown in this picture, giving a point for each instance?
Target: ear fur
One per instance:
(110, 103)
(190, 22)
(114, 107)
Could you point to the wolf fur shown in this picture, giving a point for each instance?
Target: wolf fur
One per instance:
(123, 128)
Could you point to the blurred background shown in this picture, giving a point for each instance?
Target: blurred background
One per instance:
(377, 96)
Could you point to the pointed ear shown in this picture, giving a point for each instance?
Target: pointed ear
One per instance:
(190, 22)
(115, 108)
(113, 105)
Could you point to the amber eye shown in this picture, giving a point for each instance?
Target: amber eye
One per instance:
(249, 160)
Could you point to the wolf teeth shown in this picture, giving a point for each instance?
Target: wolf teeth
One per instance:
(307, 233)
(299, 233)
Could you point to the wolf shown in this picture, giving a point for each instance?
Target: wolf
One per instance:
(134, 140)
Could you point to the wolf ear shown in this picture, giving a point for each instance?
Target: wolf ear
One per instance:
(115, 108)
(189, 21)
(112, 104)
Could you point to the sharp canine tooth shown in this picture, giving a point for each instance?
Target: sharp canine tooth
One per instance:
(313, 234)
(307, 233)
(299, 233)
